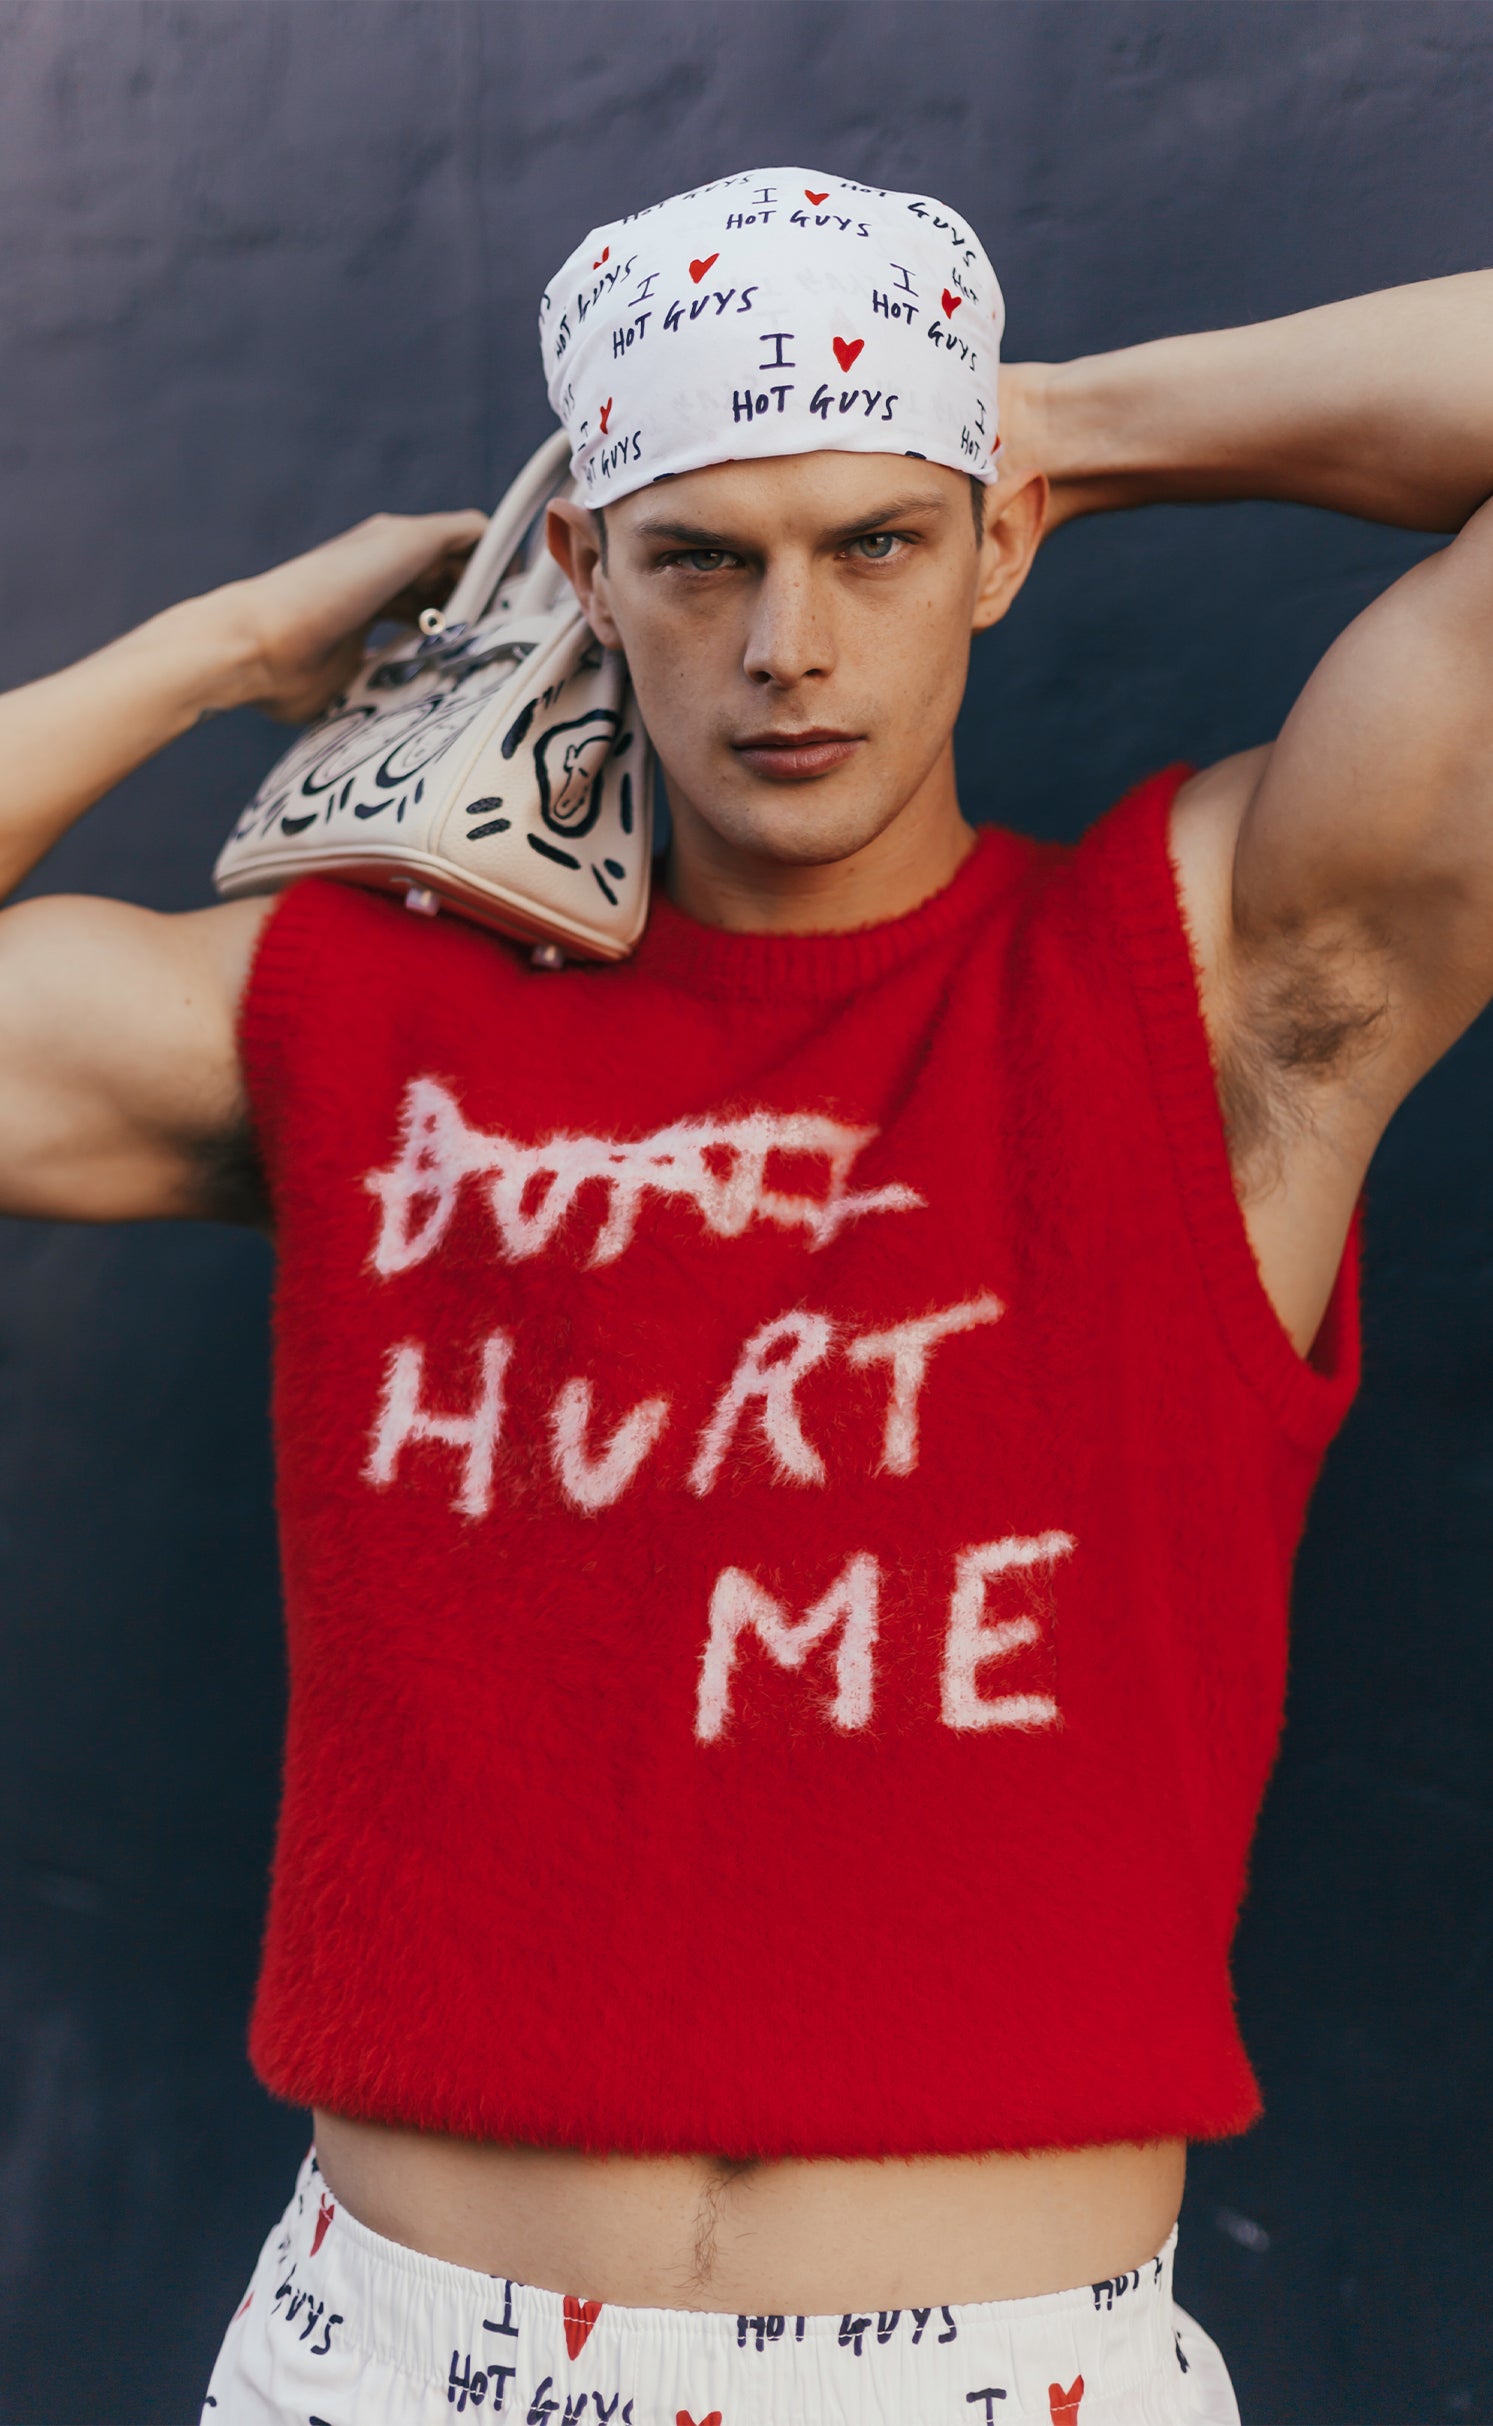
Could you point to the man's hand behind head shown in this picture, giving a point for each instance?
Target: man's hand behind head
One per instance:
(305, 623)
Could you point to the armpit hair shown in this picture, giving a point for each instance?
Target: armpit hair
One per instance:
(1310, 1012)
(227, 1178)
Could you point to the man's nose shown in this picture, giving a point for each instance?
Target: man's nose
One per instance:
(789, 639)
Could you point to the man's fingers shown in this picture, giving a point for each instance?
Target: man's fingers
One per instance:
(393, 555)
(309, 617)
(432, 586)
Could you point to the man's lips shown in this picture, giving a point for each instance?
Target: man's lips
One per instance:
(795, 757)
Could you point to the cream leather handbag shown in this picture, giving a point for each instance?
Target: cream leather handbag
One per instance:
(496, 764)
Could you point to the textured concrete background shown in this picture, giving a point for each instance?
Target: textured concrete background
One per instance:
(266, 267)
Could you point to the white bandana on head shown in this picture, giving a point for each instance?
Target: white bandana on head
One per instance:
(773, 313)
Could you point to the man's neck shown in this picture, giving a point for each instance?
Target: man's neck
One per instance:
(721, 884)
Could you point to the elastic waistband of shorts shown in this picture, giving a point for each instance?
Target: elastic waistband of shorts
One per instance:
(412, 2312)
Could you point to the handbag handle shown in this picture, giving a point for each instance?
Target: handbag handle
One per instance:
(490, 559)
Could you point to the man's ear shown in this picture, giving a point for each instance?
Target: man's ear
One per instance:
(1015, 519)
(570, 535)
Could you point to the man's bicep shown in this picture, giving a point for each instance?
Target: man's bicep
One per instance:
(120, 1091)
(1367, 843)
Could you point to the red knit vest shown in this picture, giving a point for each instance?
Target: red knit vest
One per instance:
(788, 1479)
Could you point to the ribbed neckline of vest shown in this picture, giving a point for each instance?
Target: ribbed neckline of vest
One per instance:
(722, 960)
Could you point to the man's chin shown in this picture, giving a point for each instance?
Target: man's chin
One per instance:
(804, 825)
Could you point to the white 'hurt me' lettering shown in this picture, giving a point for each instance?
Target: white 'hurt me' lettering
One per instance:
(401, 1419)
(771, 1386)
(970, 1643)
(740, 1605)
(907, 1348)
(595, 1482)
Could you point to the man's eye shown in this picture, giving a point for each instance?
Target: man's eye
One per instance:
(702, 560)
(878, 546)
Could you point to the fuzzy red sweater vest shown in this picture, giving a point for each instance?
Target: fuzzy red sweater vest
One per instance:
(788, 1480)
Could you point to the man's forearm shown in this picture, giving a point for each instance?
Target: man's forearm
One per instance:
(64, 741)
(1380, 406)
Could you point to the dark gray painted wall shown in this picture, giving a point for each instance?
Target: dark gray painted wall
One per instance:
(265, 267)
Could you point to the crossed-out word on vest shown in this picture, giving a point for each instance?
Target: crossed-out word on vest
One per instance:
(722, 1167)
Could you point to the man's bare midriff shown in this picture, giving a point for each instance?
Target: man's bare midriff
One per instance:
(798, 2236)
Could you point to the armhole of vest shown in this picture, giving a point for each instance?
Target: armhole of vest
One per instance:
(1308, 1396)
(272, 1007)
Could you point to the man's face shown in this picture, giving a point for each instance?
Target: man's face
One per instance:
(797, 632)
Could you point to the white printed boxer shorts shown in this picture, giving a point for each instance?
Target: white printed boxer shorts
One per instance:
(342, 2328)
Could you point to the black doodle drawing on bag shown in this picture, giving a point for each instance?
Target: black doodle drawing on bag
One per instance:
(519, 727)
(547, 850)
(455, 654)
(436, 731)
(359, 746)
(568, 760)
(491, 802)
(341, 745)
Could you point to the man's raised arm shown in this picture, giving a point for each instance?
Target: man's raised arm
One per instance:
(1380, 406)
(1339, 882)
(120, 1093)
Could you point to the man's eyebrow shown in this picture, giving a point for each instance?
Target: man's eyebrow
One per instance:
(901, 509)
(684, 534)
(695, 535)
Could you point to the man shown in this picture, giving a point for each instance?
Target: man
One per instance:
(790, 1449)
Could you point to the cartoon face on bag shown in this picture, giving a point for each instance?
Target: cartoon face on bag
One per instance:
(568, 760)
(469, 653)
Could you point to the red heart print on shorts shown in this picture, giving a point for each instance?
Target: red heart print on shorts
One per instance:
(580, 2316)
(697, 269)
(324, 2215)
(682, 2418)
(824, 197)
(846, 350)
(1064, 2405)
(606, 415)
(951, 304)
